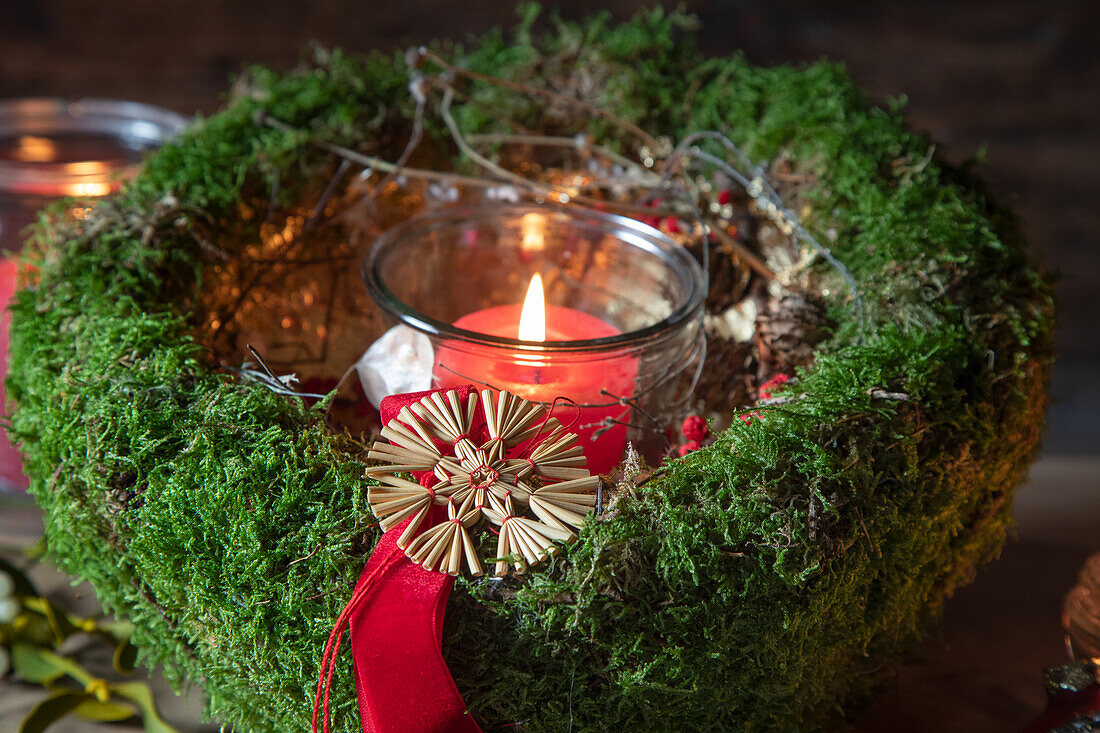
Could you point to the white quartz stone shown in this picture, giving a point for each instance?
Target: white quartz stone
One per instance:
(400, 361)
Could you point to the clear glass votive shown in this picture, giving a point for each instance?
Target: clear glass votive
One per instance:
(624, 334)
(52, 148)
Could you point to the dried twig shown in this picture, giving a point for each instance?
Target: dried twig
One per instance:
(592, 110)
(330, 188)
(279, 385)
(732, 246)
(878, 394)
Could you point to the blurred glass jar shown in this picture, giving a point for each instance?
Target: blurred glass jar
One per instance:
(49, 149)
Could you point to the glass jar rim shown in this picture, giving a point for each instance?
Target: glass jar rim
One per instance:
(47, 116)
(629, 230)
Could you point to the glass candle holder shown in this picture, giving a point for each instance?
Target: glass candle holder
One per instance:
(623, 319)
(51, 148)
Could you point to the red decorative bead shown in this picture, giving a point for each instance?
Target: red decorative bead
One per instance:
(694, 428)
(724, 196)
(688, 447)
(652, 221)
(672, 225)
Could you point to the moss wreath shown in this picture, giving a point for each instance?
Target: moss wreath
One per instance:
(761, 583)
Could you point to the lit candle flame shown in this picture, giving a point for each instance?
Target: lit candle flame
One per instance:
(532, 319)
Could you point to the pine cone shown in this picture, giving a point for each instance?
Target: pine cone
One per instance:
(787, 332)
(725, 383)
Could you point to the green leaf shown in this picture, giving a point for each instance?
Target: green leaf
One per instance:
(52, 709)
(39, 665)
(32, 628)
(106, 712)
(120, 631)
(59, 621)
(34, 665)
(142, 696)
(125, 656)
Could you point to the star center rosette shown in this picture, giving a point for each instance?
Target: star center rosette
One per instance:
(491, 456)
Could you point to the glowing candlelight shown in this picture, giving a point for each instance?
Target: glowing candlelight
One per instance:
(532, 319)
(545, 374)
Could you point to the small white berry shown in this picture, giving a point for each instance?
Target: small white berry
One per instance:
(9, 609)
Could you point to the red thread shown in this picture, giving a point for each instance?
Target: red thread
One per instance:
(546, 418)
(332, 649)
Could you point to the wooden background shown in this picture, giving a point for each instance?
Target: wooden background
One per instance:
(1018, 77)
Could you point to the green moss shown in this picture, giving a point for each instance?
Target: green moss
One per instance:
(759, 584)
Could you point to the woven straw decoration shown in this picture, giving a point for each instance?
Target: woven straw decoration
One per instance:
(478, 481)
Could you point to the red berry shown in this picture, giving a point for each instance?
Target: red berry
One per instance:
(694, 428)
(724, 196)
(767, 387)
(672, 225)
(688, 447)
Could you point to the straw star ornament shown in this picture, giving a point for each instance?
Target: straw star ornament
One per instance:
(491, 463)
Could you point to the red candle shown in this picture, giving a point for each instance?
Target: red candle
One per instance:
(11, 468)
(541, 376)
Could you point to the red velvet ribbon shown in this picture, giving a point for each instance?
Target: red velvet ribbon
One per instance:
(395, 617)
